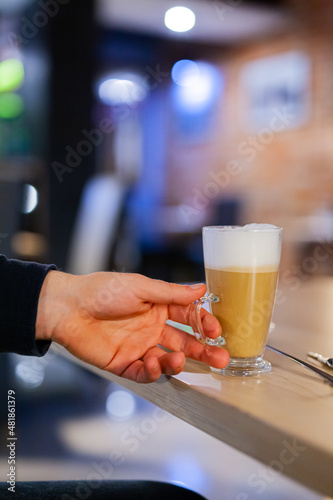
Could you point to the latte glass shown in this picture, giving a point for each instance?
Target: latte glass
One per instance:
(241, 266)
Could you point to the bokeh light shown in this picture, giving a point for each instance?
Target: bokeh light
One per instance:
(197, 84)
(116, 91)
(29, 373)
(11, 75)
(185, 73)
(179, 19)
(120, 405)
(30, 199)
(11, 106)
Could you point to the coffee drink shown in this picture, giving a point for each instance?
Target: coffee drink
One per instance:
(241, 265)
(245, 307)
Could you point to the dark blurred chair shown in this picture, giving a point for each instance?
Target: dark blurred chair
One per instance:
(97, 490)
(11, 193)
(227, 212)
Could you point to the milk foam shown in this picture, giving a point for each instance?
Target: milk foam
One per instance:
(253, 245)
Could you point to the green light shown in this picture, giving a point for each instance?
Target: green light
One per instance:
(11, 106)
(11, 75)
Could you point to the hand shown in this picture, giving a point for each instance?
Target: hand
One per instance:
(117, 322)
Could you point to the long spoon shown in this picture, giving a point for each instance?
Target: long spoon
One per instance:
(328, 378)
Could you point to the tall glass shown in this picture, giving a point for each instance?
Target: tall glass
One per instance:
(241, 266)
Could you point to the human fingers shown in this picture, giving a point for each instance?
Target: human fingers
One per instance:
(187, 316)
(162, 292)
(154, 364)
(171, 363)
(143, 372)
(178, 340)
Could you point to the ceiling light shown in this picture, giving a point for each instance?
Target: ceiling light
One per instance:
(121, 90)
(179, 19)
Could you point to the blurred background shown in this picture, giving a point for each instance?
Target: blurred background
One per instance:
(120, 137)
(124, 128)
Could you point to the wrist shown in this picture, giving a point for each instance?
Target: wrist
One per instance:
(51, 302)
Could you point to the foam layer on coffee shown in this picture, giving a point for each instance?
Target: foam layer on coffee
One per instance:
(250, 246)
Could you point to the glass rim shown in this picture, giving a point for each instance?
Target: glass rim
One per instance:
(243, 229)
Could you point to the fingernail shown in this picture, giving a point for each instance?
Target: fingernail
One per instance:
(196, 286)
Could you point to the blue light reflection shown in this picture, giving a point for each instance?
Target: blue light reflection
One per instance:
(184, 469)
(197, 85)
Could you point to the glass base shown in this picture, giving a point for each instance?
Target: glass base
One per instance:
(244, 367)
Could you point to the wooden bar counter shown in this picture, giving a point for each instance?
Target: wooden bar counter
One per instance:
(284, 418)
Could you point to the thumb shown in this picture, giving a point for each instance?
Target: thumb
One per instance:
(162, 292)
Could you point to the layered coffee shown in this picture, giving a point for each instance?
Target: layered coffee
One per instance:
(241, 266)
(245, 307)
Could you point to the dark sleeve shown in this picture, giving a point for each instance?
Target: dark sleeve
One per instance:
(20, 285)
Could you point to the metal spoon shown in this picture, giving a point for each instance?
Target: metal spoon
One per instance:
(328, 378)
(322, 359)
